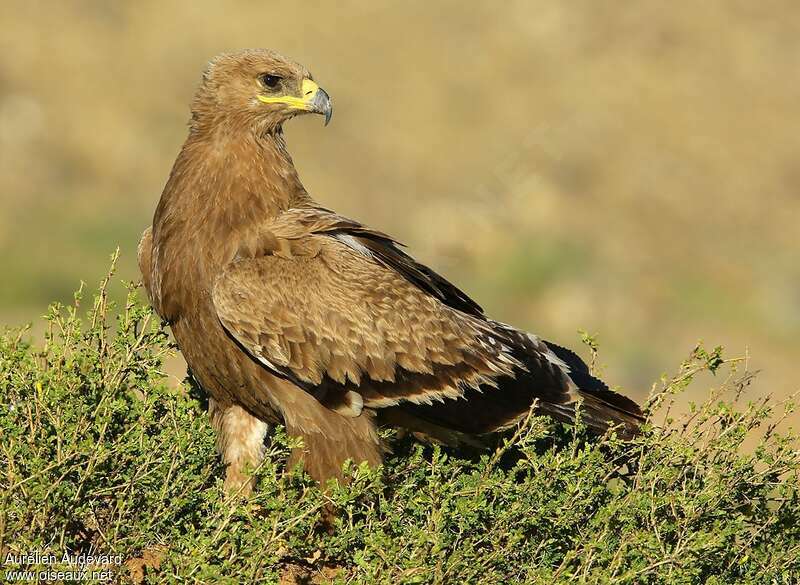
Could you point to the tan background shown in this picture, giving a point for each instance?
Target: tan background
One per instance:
(627, 168)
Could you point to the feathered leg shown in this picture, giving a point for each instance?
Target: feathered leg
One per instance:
(329, 438)
(240, 443)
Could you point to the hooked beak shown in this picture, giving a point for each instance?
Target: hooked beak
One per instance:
(321, 104)
(314, 100)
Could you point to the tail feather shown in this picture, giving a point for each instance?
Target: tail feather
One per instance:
(549, 373)
(597, 415)
(600, 404)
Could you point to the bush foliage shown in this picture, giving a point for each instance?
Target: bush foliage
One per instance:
(101, 454)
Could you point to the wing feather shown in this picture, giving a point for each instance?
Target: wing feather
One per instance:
(343, 313)
(340, 322)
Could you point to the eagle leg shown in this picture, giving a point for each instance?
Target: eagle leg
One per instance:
(332, 440)
(240, 443)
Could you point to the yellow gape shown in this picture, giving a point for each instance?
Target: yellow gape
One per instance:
(309, 90)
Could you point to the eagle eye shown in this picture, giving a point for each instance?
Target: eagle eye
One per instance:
(270, 81)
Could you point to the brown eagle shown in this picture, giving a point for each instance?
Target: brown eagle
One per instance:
(287, 312)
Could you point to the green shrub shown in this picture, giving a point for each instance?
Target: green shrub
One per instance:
(101, 454)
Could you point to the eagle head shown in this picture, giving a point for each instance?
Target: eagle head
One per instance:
(257, 89)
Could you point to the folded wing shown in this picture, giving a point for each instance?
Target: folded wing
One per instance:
(342, 312)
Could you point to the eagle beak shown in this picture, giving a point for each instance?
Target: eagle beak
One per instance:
(320, 101)
(313, 99)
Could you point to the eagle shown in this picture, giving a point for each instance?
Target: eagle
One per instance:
(287, 312)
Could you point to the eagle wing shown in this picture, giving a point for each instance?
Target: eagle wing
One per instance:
(343, 313)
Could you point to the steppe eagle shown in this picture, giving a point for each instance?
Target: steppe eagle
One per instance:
(288, 312)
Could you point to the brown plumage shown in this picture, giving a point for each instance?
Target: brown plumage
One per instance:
(287, 312)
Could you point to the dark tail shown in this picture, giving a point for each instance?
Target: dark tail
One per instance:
(551, 374)
(602, 407)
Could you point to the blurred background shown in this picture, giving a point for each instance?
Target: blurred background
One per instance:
(630, 169)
